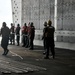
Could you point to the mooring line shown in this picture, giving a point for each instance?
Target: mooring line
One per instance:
(16, 54)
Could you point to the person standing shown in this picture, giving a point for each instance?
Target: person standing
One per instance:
(29, 28)
(31, 36)
(50, 39)
(12, 34)
(5, 38)
(17, 31)
(24, 35)
(44, 37)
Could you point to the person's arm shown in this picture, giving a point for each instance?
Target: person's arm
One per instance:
(0, 31)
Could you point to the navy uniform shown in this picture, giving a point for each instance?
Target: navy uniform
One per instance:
(5, 38)
(18, 34)
(50, 40)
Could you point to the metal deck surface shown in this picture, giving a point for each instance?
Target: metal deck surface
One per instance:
(22, 61)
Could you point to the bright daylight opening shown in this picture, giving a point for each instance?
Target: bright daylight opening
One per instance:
(5, 12)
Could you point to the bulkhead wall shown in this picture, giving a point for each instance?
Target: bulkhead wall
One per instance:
(39, 11)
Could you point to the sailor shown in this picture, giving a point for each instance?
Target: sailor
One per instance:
(50, 39)
(12, 34)
(17, 31)
(5, 38)
(44, 37)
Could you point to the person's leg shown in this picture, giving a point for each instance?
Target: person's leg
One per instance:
(47, 52)
(52, 48)
(31, 44)
(45, 47)
(4, 44)
(27, 41)
(32, 47)
(23, 41)
(53, 51)
(13, 39)
(6, 51)
(18, 38)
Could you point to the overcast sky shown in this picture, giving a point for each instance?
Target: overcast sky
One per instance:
(5, 12)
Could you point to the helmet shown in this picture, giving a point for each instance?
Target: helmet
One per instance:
(45, 23)
(49, 22)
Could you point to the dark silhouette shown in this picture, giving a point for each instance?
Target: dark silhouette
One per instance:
(17, 31)
(44, 37)
(5, 38)
(50, 39)
(12, 34)
(31, 36)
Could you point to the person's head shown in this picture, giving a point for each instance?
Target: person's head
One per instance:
(49, 22)
(45, 23)
(25, 24)
(4, 24)
(11, 24)
(18, 25)
(31, 24)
